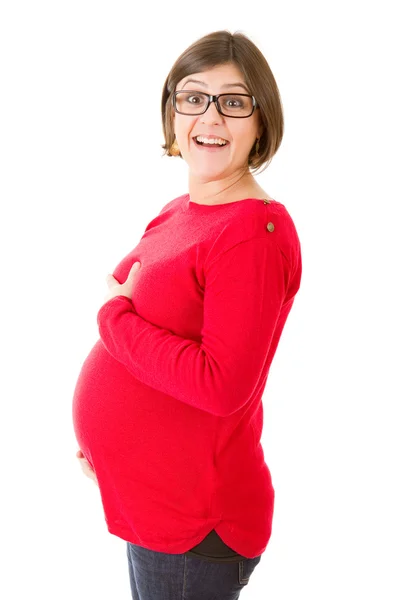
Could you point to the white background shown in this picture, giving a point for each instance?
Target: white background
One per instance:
(82, 174)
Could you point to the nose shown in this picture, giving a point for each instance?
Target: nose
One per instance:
(211, 115)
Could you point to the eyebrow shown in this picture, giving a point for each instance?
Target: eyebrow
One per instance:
(226, 85)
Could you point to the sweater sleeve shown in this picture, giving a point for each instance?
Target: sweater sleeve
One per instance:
(245, 288)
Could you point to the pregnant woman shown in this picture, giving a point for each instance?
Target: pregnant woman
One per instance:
(167, 409)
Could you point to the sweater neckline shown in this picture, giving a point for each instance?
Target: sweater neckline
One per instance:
(188, 205)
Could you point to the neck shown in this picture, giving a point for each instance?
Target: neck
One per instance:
(218, 191)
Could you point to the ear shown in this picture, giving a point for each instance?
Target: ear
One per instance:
(260, 126)
(260, 129)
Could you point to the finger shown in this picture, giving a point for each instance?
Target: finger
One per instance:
(85, 463)
(111, 281)
(134, 269)
(88, 471)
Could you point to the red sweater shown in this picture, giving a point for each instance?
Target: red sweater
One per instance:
(168, 404)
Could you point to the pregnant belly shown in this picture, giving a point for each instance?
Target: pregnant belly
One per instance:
(108, 404)
(127, 429)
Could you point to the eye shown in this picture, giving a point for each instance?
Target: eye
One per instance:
(194, 99)
(233, 102)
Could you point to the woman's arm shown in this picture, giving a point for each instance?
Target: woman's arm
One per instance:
(245, 290)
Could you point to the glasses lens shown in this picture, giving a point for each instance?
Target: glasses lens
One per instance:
(191, 103)
(236, 105)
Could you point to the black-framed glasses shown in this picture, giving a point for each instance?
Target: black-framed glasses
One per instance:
(191, 102)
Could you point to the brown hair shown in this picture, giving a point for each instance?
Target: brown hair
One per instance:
(218, 48)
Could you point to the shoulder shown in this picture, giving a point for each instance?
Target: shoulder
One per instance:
(281, 224)
(257, 219)
(175, 203)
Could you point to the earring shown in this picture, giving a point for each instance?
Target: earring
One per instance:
(257, 147)
(174, 148)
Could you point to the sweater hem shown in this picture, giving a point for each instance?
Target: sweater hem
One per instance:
(173, 547)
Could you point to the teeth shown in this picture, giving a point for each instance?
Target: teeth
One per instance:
(204, 140)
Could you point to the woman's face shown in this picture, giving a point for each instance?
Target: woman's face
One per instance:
(216, 162)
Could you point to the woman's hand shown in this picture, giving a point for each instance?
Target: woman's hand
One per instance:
(122, 289)
(86, 468)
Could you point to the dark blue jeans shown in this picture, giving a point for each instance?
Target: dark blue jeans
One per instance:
(160, 576)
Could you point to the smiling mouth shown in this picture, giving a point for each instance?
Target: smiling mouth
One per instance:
(210, 146)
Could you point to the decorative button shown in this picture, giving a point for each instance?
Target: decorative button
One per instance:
(270, 226)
